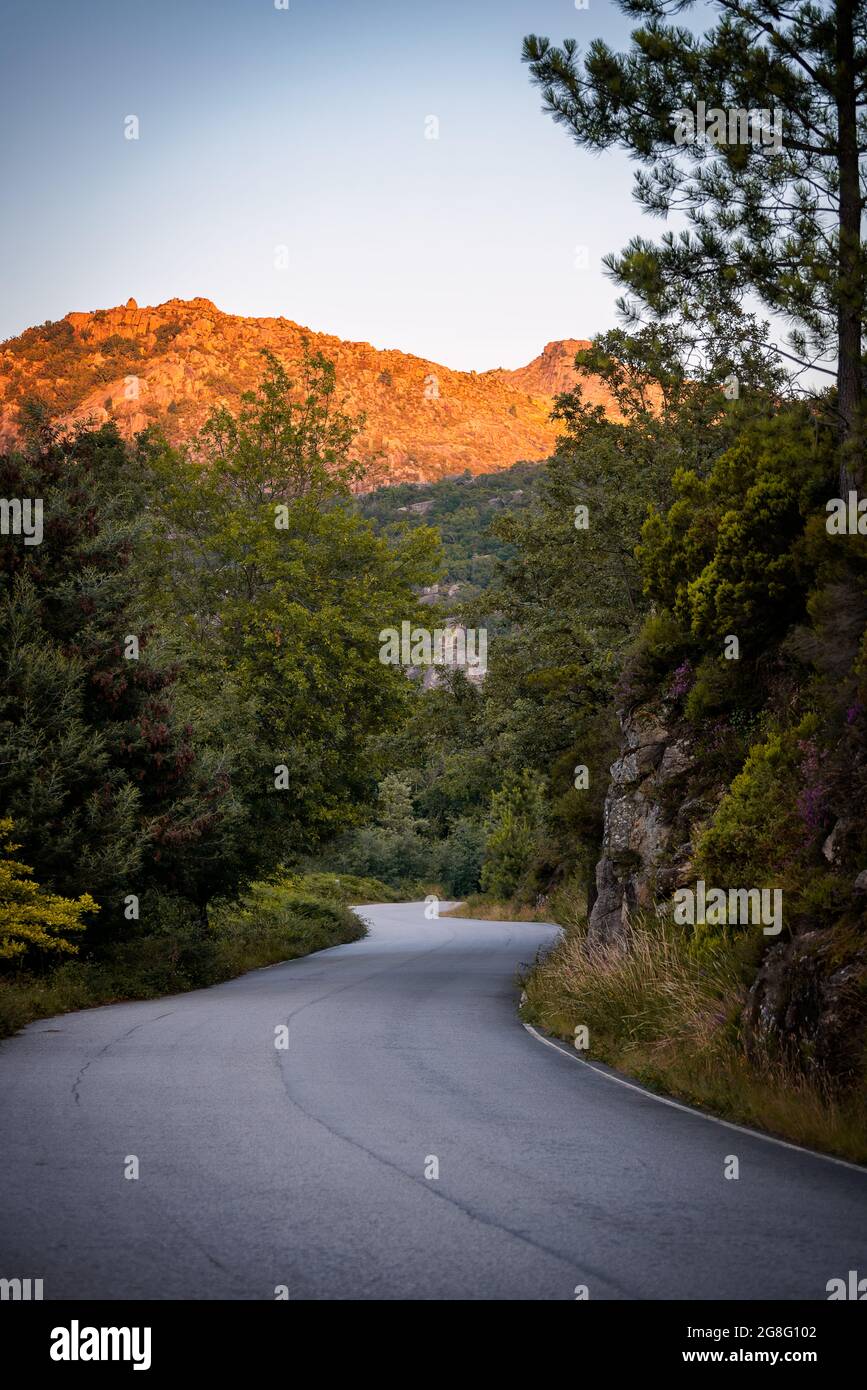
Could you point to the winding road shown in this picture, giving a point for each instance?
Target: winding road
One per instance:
(309, 1168)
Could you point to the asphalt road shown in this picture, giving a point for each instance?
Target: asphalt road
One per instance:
(305, 1167)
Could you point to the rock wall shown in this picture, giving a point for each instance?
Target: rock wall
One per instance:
(808, 999)
(645, 846)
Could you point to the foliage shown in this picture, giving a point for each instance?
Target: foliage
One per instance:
(463, 509)
(341, 888)
(68, 367)
(771, 816)
(33, 921)
(98, 772)
(776, 219)
(514, 830)
(459, 864)
(724, 558)
(393, 849)
(717, 685)
(279, 592)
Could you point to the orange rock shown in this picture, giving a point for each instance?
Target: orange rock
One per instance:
(423, 420)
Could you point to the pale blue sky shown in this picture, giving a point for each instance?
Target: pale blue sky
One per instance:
(306, 128)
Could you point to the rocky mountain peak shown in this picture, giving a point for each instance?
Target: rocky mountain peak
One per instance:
(171, 364)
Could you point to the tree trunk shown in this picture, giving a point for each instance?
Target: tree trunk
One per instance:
(850, 308)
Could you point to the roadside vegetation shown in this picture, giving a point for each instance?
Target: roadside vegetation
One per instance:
(274, 921)
(669, 1016)
(189, 682)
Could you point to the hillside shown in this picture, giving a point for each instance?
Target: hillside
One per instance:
(463, 510)
(173, 363)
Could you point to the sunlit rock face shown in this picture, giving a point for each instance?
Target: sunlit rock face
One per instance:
(173, 363)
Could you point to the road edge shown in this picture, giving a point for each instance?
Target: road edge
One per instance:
(611, 1075)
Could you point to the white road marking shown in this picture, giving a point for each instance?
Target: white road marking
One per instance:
(689, 1110)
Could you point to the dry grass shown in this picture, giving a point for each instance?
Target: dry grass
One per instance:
(670, 1019)
(485, 909)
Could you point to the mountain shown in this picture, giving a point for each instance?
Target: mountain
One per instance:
(173, 363)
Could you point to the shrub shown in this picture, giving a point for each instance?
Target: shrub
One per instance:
(771, 817)
(659, 648)
(342, 888)
(718, 685)
(728, 556)
(32, 920)
(180, 952)
(514, 832)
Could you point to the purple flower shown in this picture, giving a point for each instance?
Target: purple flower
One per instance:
(812, 800)
(682, 681)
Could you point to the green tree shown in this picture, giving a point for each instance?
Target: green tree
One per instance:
(572, 594)
(461, 857)
(779, 220)
(514, 835)
(278, 592)
(97, 772)
(394, 806)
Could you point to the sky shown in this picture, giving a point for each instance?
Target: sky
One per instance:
(282, 168)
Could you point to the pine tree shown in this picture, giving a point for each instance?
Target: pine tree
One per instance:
(778, 219)
(96, 771)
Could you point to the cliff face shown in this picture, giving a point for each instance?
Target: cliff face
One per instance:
(173, 363)
(807, 995)
(648, 819)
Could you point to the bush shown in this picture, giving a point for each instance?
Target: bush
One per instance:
(772, 816)
(34, 922)
(657, 650)
(393, 857)
(718, 684)
(343, 888)
(728, 557)
(271, 924)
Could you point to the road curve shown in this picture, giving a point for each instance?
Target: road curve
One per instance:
(304, 1167)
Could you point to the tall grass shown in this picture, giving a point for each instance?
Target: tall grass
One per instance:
(567, 905)
(484, 908)
(669, 1016)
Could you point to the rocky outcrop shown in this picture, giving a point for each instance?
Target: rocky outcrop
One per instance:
(807, 1003)
(645, 847)
(172, 364)
(809, 1000)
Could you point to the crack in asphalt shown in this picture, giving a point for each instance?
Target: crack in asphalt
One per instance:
(75, 1088)
(422, 1184)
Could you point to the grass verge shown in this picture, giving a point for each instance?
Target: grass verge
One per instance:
(486, 909)
(275, 921)
(345, 888)
(669, 1018)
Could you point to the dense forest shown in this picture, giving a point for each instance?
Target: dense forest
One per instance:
(462, 509)
(190, 679)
